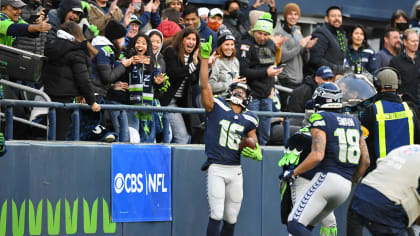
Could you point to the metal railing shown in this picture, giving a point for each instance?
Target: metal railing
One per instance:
(10, 104)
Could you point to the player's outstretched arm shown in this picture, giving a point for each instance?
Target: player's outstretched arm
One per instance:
(319, 141)
(364, 161)
(206, 92)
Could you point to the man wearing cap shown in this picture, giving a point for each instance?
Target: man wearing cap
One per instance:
(257, 57)
(303, 92)
(12, 25)
(133, 29)
(215, 19)
(295, 51)
(69, 10)
(330, 50)
(389, 123)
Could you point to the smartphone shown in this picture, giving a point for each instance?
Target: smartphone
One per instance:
(144, 59)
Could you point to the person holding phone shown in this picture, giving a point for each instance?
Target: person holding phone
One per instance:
(257, 57)
(225, 69)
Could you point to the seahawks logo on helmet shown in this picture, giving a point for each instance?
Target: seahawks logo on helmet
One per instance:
(237, 99)
(327, 96)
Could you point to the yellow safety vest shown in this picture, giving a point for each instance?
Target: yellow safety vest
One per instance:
(381, 117)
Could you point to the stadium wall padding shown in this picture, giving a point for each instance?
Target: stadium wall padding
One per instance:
(51, 182)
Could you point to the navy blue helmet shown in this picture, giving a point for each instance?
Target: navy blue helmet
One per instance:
(237, 99)
(327, 96)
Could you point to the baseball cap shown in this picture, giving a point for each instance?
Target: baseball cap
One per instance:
(388, 78)
(324, 72)
(134, 18)
(215, 12)
(13, 3)
(77, 9)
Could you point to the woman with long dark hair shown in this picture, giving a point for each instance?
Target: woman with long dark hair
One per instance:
(359, 54)
(142, 80)
(183, 72)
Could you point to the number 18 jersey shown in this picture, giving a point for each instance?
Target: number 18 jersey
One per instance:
(224, 131)
(342, 151)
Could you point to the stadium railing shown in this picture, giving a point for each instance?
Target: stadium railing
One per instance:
(9, 104)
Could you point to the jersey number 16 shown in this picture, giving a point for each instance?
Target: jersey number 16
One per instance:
(228, 136)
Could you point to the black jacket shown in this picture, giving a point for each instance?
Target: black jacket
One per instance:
(409, 74)
(254, 61)
(67, 72)
(368, 120)
(178, 72)
(56, 16)
(302, 94)
(327, 51)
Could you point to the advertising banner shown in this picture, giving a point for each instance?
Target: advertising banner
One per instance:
(141, 183)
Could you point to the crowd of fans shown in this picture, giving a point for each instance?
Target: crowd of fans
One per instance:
(146, 53)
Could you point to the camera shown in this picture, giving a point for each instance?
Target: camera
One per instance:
(20, 64)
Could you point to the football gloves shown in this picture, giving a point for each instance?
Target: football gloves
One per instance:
(254, 154)
(291, 157)
(206, 48)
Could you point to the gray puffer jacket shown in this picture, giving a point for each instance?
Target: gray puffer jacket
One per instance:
(35, 45)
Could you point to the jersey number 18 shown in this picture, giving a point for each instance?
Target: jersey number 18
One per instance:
(348, 140)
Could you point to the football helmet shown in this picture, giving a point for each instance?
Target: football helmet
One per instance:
(327, 96)
(236, 98)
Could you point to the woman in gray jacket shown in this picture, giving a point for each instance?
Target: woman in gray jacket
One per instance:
(225, 69)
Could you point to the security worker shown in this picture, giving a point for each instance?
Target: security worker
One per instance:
(389, 123)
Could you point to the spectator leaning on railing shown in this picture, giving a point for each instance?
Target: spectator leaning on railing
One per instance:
(183, 72)
(12, 25)
(67, 72)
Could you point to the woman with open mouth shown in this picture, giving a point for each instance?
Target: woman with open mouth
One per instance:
(183, 71)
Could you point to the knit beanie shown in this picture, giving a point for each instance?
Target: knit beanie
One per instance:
(114, 30)
(264, 23)
(169, 1)
(289, 8)
(224, 34)
(168, 28)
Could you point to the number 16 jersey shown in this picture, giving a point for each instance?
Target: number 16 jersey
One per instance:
(342, 150)
(225, 130)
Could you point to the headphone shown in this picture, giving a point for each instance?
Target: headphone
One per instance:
(377, 82)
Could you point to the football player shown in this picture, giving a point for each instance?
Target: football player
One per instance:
(227, 122)
(340, 152)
